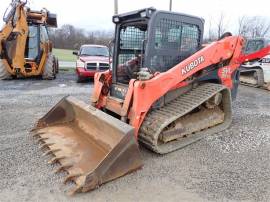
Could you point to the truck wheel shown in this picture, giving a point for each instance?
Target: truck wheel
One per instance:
(4, 74)
(57, 65)
(79, 79)
(49, 69)
(268, 86)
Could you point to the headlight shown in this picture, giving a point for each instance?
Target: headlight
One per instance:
(80, 64)
(116, 19)
(143, 14)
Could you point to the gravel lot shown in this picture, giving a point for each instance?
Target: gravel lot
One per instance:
(233, 165)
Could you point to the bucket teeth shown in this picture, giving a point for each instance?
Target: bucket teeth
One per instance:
(45, 145)
(71, 177)
(51, 152)
(40, 140)
(38, 134)
(55, 159)
(34, 129)
(62, 168)
(74, 190)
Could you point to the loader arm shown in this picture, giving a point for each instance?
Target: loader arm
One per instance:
(256, 55)
(224, 54)
(7, 29)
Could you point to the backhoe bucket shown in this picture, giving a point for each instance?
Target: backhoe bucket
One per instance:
(90, 145)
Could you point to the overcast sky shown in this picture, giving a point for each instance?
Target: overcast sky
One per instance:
(96, 14)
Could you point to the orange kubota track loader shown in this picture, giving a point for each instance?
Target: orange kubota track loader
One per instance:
(164, 90)
(25, 48)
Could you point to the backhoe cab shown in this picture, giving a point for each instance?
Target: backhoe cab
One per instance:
(25, 48)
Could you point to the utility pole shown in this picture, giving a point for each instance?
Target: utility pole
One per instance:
(170, 5)
(115, 7)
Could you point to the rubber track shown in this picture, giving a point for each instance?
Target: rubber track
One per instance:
(255, 86)
(260, 81)
(158, 119)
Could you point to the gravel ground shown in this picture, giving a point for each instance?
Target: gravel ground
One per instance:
(233, 165)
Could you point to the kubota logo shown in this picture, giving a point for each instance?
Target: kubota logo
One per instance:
(192, 65)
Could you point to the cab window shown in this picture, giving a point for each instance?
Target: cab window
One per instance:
(44, 34)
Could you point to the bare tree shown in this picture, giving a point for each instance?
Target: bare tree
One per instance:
(260, 27)
(242, 25)
(253, 26)
(221, 26)
(70, 37)
(216, 28)
(211, 33)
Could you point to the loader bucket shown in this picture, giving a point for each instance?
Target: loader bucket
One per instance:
(90, 145)
(52, 20)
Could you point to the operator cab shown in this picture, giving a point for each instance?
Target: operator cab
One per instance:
(38, 36)
(256, 44)
(149, 41)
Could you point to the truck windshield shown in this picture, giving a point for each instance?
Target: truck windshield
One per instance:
(94, 51)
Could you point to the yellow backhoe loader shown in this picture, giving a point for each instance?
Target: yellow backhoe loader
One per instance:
(25, 48)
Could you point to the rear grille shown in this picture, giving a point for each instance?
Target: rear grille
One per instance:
(91, 66)
(104, 66)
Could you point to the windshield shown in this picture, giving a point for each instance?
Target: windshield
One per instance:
(94, 51)
(254, 45)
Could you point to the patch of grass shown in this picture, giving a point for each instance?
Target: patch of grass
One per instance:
(64, 55)
(67, 70)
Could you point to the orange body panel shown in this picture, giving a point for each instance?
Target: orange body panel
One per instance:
(256, 55)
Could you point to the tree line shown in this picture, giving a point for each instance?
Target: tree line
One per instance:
(70, 37)
(247, 26)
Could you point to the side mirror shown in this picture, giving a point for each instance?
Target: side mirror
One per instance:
(75, 53)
